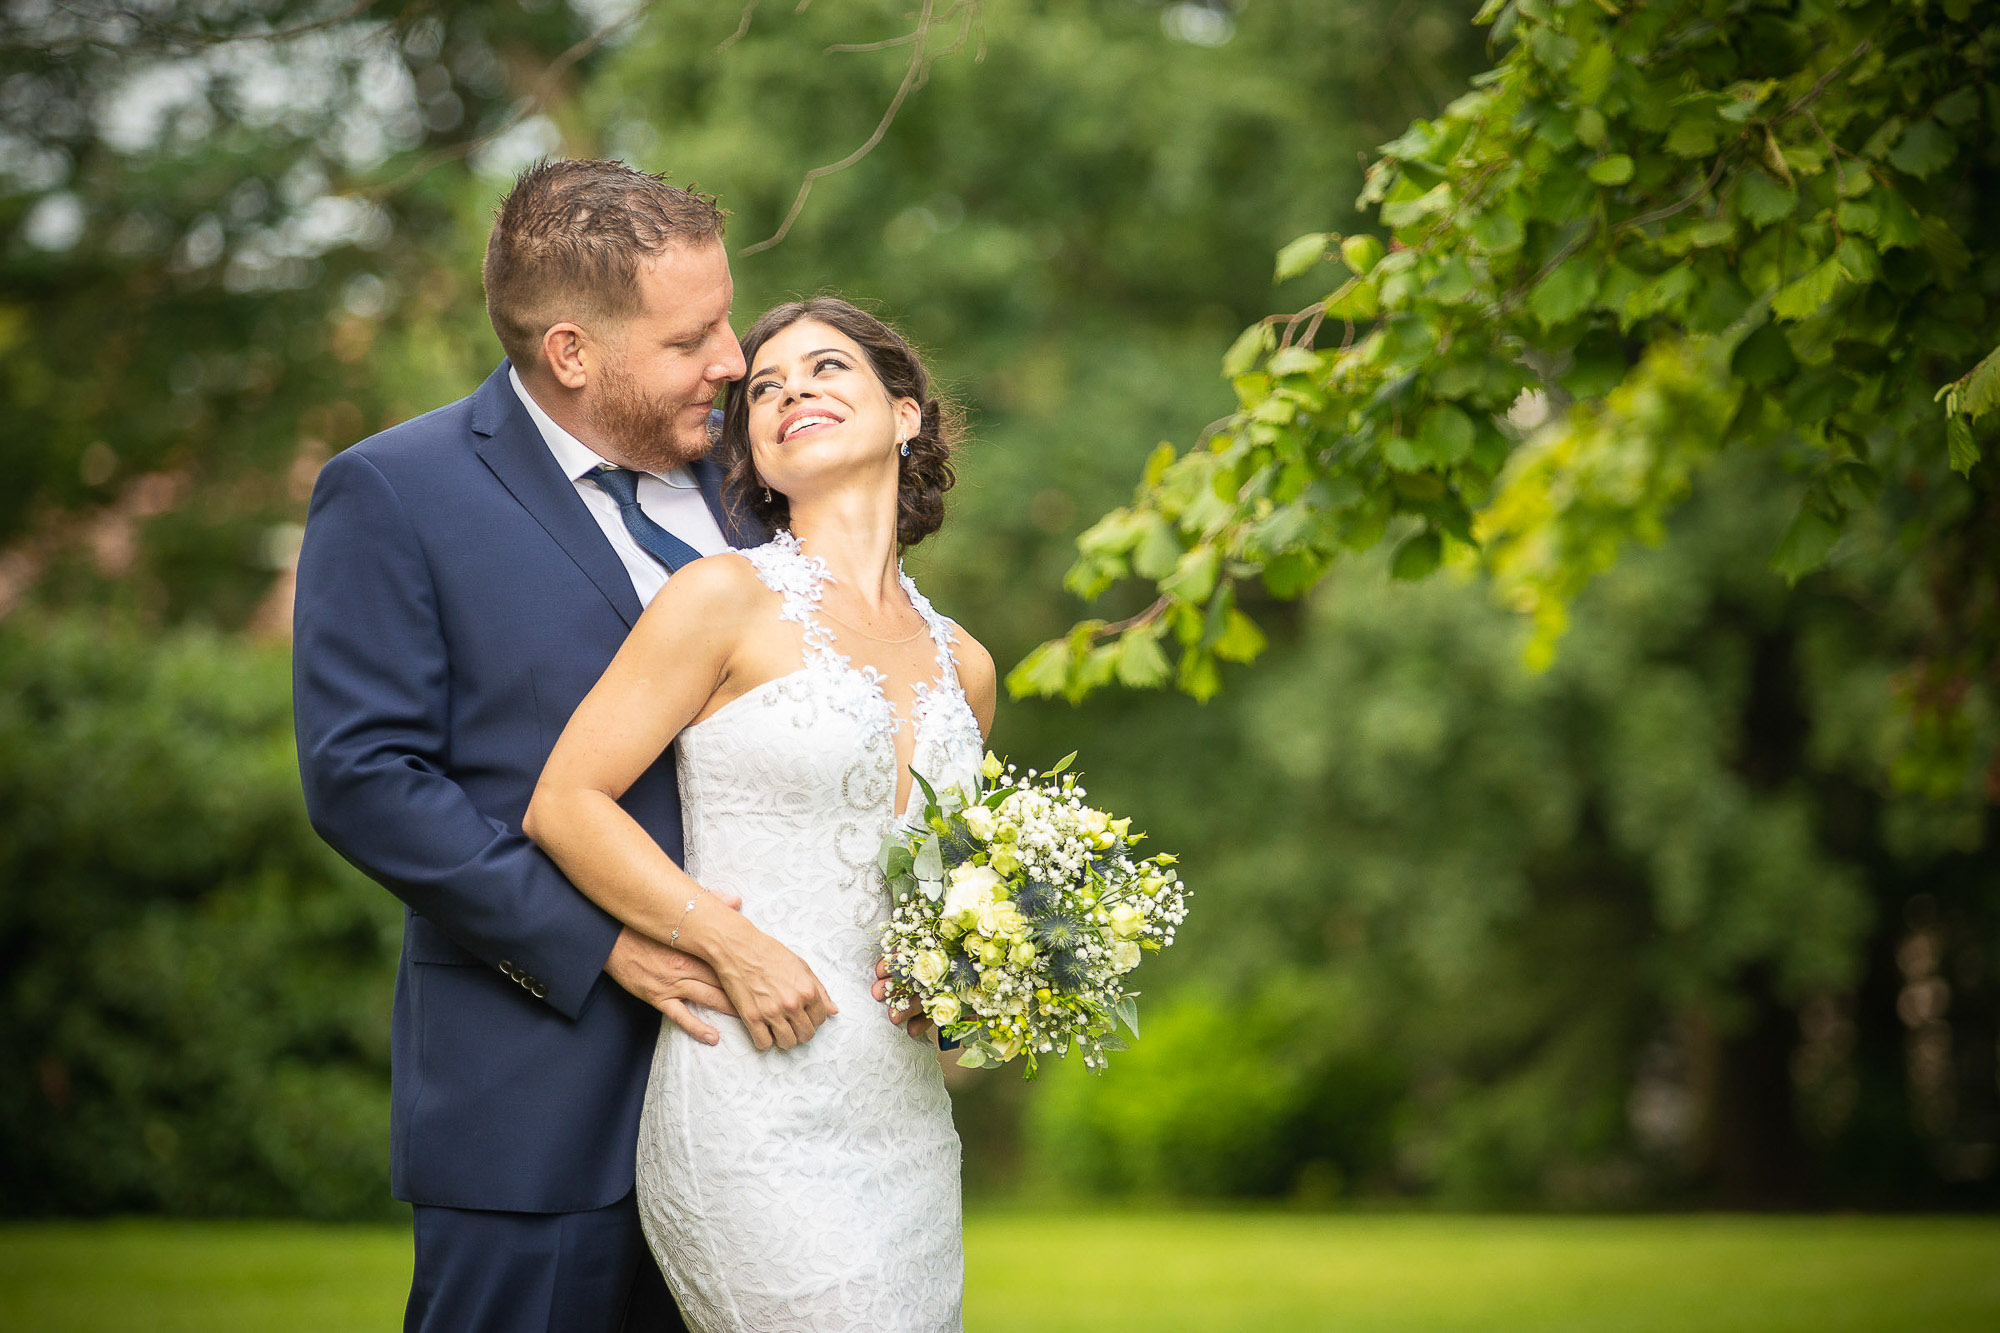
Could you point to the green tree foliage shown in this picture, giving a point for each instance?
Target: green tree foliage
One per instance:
(1636, 927)
(1652, 235)
(194, 984)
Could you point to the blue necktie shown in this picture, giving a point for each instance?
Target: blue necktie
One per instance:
(622, 485)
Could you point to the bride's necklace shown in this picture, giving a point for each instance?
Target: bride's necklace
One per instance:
(920, 630)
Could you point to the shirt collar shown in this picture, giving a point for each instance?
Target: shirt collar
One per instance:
(576, 458)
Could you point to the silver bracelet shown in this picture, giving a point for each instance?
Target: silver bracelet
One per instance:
(675, 937)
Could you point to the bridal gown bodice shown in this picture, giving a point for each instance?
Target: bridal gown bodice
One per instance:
(816, 1188)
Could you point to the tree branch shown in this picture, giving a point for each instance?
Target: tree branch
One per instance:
(913, 78)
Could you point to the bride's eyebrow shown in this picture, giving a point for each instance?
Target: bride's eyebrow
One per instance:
(820, 351)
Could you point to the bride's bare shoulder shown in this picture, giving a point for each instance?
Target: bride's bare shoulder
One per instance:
(976, 675)
(715, 592)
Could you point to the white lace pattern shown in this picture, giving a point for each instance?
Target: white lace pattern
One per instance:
(818, 1188)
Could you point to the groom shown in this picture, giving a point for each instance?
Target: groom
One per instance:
(465, 579)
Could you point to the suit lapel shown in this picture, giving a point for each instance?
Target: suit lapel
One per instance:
(513, 448)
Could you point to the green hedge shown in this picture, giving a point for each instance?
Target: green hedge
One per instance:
(195, 986)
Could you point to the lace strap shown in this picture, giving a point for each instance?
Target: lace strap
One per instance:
(799, 579)
(940, 628)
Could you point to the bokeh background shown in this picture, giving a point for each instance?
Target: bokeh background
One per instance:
(1655, 928)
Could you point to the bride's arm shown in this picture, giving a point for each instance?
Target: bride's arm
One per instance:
(677, 657)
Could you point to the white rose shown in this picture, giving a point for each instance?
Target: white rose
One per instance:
(943, 1009)
(970, 888)
(929, 967)
(982, 822)
(1124, 955)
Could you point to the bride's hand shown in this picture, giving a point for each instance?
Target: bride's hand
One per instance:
(913, 1020)
(776, 996)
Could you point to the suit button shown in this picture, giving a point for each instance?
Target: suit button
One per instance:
(537, 991)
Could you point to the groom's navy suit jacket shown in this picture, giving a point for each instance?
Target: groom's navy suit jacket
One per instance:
(456, 600)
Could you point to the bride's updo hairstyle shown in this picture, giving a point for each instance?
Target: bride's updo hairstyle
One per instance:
(923, 475)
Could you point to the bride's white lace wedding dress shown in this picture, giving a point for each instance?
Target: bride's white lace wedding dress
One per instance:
(816, 1188)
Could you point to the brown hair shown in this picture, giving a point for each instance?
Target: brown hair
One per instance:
(923, 475)
(567, 242)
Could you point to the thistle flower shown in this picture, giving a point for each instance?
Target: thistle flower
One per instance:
(1058, 932)
(1036, 896)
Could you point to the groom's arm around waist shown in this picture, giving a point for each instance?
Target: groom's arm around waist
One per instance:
(371, 702)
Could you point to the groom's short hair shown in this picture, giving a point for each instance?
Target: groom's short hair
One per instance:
(568, 240)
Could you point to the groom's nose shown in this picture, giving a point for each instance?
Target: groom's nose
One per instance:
(729, 365)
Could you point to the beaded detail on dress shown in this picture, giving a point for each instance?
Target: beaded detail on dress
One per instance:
(812, 1189)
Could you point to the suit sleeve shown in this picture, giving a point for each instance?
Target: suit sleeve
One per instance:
(371, 699)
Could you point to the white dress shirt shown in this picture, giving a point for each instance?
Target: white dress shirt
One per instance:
(670, 499)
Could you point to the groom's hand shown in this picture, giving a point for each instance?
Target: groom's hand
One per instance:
(669, 980)
(914, 1019)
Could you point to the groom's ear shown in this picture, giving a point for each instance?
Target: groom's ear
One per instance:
(563, 353)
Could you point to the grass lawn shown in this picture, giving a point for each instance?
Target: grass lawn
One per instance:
(1157, 1271)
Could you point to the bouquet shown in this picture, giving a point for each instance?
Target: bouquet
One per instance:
(1018, 914)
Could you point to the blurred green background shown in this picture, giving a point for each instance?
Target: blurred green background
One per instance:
(1652, 929)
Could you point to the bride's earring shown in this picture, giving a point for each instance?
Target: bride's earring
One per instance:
(767, 495)
(906, 447)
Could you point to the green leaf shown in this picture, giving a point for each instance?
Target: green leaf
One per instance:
(1445, 434)
(1857, 215)
(1694, 135)
(1361, 253)
(1158, 550)
(1613, 170)
(1805, 545)
(1417, 556)
(1925, 147)
(1198, 677)
(1301, 254)
(1964, 450)
(1141, 664)
(1294, 361)
(1250, 345)
(1497, 234)
(1357, 299)
(1240, 640)
(1959, 106)
(1761, 200)
(1402, 213)
(1591, 131)
(1555, 50)
(1127, 1012)
(1808, 293)
(1564, 294)
(1042, 672)
(930, 860)
(1592, 78)
(1979, 391)
(1193, 579)
(1062, 764)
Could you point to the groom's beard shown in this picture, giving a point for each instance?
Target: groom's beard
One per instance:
(655, 434)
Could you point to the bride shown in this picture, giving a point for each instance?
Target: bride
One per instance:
(798, 1169)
